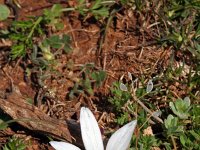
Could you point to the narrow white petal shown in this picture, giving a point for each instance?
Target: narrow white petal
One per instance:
(187, 101)
(121, 138)
(130, 76)
(63, 146)
(149, 86)
(90, 131)
(123, 87)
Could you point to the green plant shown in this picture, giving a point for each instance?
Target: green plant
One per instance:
(4, 12)
(181, 108)
(123, 118)
(138, 4)
(21, 33)
(173, 125)
(195, 116)
(99, 77)
(25, 34)
(194, 80)
(97, 8)
(119, 98)
(15, 143)
(57, 42)
(53, 16)
(185, 126)
(89, 80)
(146, 142)
(190, 140)
(183, 25)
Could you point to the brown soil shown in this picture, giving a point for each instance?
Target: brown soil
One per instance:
(125, 48)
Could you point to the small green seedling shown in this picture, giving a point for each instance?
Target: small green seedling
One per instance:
(15, 143)
(90, 79)
(146, 142)
(53, 16)
(58, 42)
(172, 125)
(120, 95)
(181, 108)
(190, 140)
(97, 8)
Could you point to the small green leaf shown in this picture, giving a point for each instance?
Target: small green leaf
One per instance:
(101, 12)
(18, 51)
(97, 4)
(181, 107)
(195, 135)
(172, 125)
(183, 139)
(58, 42)
(4, 12)
(99, 77)
(3, 125)
(54, 41)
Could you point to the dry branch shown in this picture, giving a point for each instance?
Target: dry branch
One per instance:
(34, 119)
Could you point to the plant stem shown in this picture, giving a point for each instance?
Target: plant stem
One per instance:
(173, 142)
(34, 26)
(147, 109)
(68, 9)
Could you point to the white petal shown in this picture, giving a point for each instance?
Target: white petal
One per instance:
(121, 138)
(187, 101)
(90, 131)
(123, 87)
(63, 146)
(149, 86)
(130, 76)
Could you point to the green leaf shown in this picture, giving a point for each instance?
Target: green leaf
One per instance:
(195, 135)
(15, 143)
(196, 116)
(172, 125)
(22, 25)
(101, 12)
(54, 41)
(147, 142)
(183, 139)
(3, 125)
(66, 40)
(181, 108)
(59, 26)
(4, 12)
(53, 14)
(99, 77)
(58, 42)
(18, 51)
(97, 4)
(123, 118)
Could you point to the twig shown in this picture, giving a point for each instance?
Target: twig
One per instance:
(173, 142)
(147, 109)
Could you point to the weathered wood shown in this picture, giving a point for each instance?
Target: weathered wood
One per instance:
(34, 119)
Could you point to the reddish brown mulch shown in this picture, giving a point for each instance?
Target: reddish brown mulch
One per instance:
(123, 50)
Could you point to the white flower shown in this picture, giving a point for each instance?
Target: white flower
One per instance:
(91, 135)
